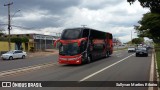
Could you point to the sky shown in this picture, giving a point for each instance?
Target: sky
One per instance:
(53, 16)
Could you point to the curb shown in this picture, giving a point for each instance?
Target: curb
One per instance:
(152, 70)
(30, 56)
(119, 50)
(158, 79)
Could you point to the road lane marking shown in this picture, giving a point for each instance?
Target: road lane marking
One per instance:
(93, 74)
(24, 69)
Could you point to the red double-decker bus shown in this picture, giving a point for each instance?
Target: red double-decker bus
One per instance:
(83, 45)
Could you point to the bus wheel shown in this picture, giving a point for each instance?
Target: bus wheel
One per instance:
(83, 61)
(107, 54)
(88, 59)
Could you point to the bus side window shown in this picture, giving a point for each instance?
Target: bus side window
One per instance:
(98, 47)
(110, 36)
(104, 46)
(85, 33)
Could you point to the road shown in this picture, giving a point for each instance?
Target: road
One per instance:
(119, 47)
(19, 63)
(121, 66)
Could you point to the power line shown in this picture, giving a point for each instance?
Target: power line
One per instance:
(18, 26)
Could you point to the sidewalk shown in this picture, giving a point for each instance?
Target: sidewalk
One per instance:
(42, 53)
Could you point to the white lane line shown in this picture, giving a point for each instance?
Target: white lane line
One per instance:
(24, 69)
(93, 74)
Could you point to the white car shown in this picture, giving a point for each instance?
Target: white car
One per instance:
(131, 49)
(10, 55)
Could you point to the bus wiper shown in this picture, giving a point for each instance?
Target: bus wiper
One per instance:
(71, 54)
(62, 54)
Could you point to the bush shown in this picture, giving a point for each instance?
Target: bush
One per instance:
(32, 49)
(157, 51)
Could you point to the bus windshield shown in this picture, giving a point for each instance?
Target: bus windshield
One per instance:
(69, 49)
(70, 34)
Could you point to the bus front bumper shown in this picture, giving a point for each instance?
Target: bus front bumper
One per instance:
(70, 59)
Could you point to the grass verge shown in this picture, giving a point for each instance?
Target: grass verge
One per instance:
(120, 49)
(157, 51)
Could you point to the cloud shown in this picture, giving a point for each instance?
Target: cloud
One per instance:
(47, 16)
(37, 19)
(99, 4)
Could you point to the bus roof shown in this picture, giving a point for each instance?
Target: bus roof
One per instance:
(83, 32)
(87, 28)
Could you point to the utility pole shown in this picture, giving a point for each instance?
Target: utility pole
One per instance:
(9, 24)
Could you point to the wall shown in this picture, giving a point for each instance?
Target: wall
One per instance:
(4, 46)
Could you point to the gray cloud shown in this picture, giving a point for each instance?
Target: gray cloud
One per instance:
(54, 7)
(99, 14)
(99, 4)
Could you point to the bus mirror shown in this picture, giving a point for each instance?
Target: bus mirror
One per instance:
(80, 41)
(55, 43)
(83, 43)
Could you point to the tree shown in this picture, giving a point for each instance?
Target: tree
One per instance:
(149, 26)
(1, 32)
(137, 40)
(2, 35)
(19, 41)
(154, 5)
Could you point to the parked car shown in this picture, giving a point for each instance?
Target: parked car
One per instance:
(142, 51)
(10, 55)
(131, 49)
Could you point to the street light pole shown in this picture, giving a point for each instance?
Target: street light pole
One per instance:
(14, 14)
(9, 24)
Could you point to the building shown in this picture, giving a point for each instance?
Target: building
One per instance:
(38, 42)
(116, 42)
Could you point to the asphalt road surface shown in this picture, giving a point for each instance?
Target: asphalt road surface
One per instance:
(121, 66)
(19, 63)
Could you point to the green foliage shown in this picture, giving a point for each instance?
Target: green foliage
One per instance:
(137, 40)
(154, 5)
(149, 26)
(25, 39)
(16, 39)
(157, 50)
(3, 39)
(32, 49)
(19, 40)
(1, 32)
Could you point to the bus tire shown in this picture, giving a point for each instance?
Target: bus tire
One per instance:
(83, 61)
(88, 59)
(107, 54)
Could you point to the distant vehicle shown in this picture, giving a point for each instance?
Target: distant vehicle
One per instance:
(82, 45)
(131, 49)
(142, 51)
(10, 55)
(121, 45)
